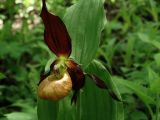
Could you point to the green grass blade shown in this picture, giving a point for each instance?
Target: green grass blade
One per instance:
(140, 91)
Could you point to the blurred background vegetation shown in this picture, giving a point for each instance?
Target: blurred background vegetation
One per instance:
(129, 48)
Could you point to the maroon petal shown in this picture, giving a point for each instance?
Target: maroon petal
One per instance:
(101, 84)
(74, 97)
(53, 64)
(77, 77)
(55, 35)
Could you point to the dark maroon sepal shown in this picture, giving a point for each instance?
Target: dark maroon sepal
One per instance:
(101, 84)
(77, 76)
(74, 97)
(53, 64)
(55, 34)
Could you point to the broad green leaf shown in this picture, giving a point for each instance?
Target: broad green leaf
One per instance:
(47, 110)
(96, 104)
(85, 21)
(98, 69)
(66, 110)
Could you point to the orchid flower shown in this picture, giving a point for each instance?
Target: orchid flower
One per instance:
(65, 74)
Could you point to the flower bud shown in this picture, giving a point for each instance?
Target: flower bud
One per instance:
(55, 89)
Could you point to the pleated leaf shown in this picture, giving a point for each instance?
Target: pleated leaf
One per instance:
(47, 110)
(85, 21)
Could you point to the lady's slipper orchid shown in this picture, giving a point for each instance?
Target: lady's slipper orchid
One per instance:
(65, 74)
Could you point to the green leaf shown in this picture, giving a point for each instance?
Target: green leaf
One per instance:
(47, 110)
(14, 49)
(146, 38)
(129, 50)
(98, 69)
(96, 104)
(154, 80)
(2, 76)
(152, 76)
(141, 92)
(67, 111)
(85, 21)
(49, 62)
(20, 116)
(155, 86)
(157, 58)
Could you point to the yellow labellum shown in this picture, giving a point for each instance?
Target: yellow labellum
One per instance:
(52, 89)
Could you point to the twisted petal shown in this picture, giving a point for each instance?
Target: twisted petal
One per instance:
(101, 84)
(77, 77)
(55, 34)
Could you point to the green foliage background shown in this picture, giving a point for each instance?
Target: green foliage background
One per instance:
(129, 48)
